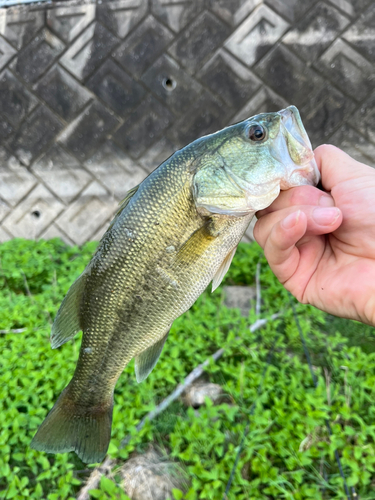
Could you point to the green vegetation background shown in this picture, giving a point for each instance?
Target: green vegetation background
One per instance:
(287, 452)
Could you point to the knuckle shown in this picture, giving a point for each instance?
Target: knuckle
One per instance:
(326, 150)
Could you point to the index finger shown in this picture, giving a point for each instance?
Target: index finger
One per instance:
(337, 166)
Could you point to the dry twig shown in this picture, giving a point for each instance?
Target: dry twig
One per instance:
(15, 330)
(94, 478)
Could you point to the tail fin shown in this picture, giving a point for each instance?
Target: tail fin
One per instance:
(73, 427)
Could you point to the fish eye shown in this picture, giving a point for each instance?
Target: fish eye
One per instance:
(257, 133)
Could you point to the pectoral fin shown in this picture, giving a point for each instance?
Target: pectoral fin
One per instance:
(146, 361)
(67, 322)
(221, 272)
(198, 242)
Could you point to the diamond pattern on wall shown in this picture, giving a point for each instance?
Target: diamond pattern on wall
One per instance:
(206, 114)
(38, 130)
(233, 11)
(361, 34)
(183, 90)
(33, 214)
(315, 32)
(229, 79)
(62, 93)
(278, 70)
(16, 101)
(325, 112)
(36, 57)
(68, 22)
(142, 128)
(54, 232)
(61, 173)
(351, 7)
(120, 16)
(6, 52)
(293, 10)
(364, 119)
(264, 101)
(142, 47)
(4, 235)
(354, 144)
(349, 70)
(82, 218)
(256, 35)
(115, 170)
(88, 131)
(116, 88)
(15, 180)
(95, 94)
(176, 13)
(19, 24)
(88, 51)
(199, 41)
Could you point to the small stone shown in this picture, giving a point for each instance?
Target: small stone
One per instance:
(196, 394)
(242, 297)
(151, 477)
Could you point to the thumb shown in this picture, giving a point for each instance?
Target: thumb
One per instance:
(336, 166)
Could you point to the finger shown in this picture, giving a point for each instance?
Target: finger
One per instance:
(337, 166)
(302, 195)
(319, 220)
(280, 247)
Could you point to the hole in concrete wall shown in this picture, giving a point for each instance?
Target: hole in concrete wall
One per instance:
(169, 83)
(36, 214)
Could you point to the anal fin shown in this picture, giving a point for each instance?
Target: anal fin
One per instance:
(146, 360)
(221, 272)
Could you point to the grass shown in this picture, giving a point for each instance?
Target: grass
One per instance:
(287, 452)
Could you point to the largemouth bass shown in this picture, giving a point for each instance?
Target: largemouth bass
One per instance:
(173, 234)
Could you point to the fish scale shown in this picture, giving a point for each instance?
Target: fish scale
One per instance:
(173, 234)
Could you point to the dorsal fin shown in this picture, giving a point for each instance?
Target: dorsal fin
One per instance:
(127, 198)
(123, 204)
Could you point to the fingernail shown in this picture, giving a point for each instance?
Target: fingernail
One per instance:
(291, 220)
(326, 201)
(325, 216)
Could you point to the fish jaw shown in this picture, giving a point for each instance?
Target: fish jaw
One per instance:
(306, 175)
(293, 148)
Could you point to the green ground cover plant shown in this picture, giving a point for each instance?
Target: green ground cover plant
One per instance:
(287, 452)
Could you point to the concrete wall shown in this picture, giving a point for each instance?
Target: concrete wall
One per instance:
(93, 96)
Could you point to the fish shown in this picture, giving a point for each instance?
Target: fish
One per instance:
(174, 234)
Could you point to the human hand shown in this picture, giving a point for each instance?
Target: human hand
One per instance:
(321, 246)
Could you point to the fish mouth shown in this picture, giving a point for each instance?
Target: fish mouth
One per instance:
(307, 174)
(302, 169)
(291, 120)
